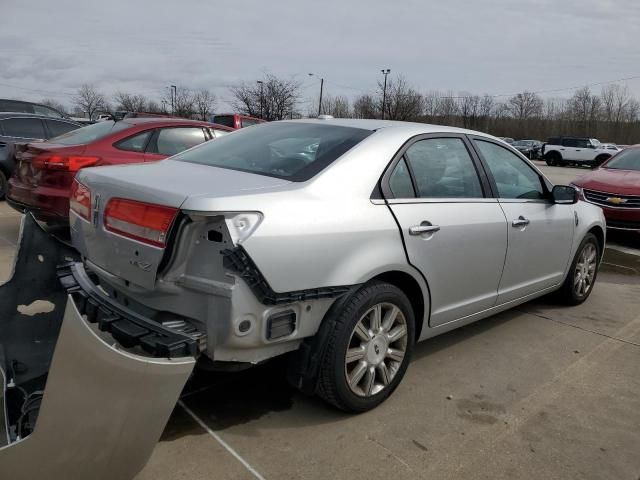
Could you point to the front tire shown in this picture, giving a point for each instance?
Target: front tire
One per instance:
(368, 349)
(583, 272)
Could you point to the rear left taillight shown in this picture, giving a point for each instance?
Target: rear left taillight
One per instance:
(70, 163)
(145, 222)
(80, 200)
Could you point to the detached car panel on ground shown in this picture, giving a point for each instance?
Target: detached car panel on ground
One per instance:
(341, 240)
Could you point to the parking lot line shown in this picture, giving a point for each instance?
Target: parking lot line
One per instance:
(224, 444)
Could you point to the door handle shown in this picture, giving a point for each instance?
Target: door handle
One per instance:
(423, 228)
(520, 222)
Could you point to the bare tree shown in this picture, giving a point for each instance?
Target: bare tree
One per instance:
(447, 107)
(204, 104)
(336, 106)
(365, 107)
(469, 106)
(525, 105)
(89, 100)
(154, 107)
(49, 102)
(184, 103)
(402, 101)
(130, 103)
(430, 105)
(275, 98)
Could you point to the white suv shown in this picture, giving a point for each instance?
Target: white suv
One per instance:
(575, 150)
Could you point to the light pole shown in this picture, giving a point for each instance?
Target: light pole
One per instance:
(321, 86)
(174, 92)
(261, 83)
(384, 90)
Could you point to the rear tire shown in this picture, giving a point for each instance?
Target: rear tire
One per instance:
(583, 272)
(554, 159)
(600, 160)
(368, 349)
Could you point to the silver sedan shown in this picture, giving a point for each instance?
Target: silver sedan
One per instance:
(340, 243)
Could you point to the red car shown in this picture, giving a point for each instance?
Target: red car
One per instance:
(615, 187)
(235, 120)
(44, 172)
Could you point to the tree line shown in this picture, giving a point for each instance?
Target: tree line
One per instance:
(612, 114)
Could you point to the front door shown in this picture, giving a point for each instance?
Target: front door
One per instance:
(540, 232)
(454, 234)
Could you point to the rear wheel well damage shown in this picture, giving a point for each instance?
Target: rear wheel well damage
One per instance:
(411, 289)
(304, 363)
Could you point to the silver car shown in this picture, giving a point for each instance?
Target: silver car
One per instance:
(339, 242)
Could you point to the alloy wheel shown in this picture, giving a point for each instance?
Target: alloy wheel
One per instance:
(585, 271)
(376, 349)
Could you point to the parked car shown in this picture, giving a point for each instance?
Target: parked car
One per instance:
(25, 127)
(610, 146)
(529, 148)
(235, 120)
(20, 106)
(560, 151)
(342, 242)
(615, 187)
(45, 170)
(509, 140)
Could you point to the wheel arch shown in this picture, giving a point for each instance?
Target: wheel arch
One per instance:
(414, 292)
(550, 153)
(600, 236)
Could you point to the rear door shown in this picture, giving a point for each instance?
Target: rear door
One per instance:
(454, 232)
(540, 232)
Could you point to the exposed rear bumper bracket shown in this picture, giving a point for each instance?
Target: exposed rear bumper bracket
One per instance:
(126, 326)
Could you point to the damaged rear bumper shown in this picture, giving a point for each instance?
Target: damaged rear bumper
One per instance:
(108, 394)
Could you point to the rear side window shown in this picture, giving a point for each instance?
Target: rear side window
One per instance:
(171, 141)
(443, 168)
(570, 142)
(135, 143)
(400, 181)
(226, 120)
(288, 150)
(247, 122)
(90, 133)
(59, 128)
(23, 128)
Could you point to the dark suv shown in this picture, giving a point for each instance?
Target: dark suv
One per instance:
(20, 106)
(24, 128)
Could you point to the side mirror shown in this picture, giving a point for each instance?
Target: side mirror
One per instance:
(564, 194)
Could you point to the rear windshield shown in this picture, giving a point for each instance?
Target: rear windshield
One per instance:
(293, 151)
(625, 160)
(90, 133)
(226, 120)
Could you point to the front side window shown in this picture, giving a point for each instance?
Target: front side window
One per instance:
(443, 168)
(583, 143)
(289, 150)
(23, 128)
(171, 141)
(514, 177)
(135, 143)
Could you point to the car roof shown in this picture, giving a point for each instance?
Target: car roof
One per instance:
(33, 115)
(373, 125)
(170, 121)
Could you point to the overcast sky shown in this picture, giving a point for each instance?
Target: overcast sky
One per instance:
(50, 47)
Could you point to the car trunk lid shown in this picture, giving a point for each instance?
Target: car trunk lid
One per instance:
(30, 169)
(167, 183)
